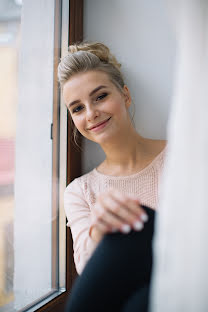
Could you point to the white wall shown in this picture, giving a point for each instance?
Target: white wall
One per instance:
(140, 35)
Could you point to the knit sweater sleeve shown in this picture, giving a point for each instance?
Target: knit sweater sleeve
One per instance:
(78, 215)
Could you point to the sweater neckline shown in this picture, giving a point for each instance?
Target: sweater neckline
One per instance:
(133, 174)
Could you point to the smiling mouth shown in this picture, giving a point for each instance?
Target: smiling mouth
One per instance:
(99, 126)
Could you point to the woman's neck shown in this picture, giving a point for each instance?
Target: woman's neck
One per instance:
(125, 154)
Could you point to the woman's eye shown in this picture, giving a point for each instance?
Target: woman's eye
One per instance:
(77, 109)
(102, 96)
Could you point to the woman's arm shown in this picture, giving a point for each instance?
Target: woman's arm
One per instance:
(79, 219)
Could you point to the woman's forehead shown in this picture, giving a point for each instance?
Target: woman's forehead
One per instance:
(84, 84)
(87, 81)
(90, 76)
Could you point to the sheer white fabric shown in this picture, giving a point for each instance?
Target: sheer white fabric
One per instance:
(180, 272)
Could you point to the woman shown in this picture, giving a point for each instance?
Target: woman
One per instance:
(110, 198)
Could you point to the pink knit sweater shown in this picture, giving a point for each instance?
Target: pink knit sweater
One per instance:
(80, 198)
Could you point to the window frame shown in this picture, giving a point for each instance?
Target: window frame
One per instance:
(73, 166)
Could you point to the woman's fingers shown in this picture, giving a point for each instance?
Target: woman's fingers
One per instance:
(131, 205)
(118, 211)
(112, 221)
(127, 207)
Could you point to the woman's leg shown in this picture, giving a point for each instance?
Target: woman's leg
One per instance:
(138, 302)
(120, 266)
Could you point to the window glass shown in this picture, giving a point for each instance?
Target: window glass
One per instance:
(29, 236)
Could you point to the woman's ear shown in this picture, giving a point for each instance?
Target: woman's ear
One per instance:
(127, 96)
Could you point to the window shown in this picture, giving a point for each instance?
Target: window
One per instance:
(36, 261)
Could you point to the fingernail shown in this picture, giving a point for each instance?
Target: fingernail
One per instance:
(144, 217)
(138, 225)
(125, 228)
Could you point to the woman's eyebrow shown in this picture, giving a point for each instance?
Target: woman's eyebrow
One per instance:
(73, 103)
(97, 89)
(91, 93)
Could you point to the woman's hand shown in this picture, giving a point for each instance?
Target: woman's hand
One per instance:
(115, 211)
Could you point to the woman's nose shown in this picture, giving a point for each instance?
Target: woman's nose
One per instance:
(92, 113)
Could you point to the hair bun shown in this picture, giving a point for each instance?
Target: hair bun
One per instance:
(97, 48)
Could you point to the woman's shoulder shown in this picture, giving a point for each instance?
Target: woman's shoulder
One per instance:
(157, 146)
(157, 150)
(161, 145)
(161, 149)
(78, 184)
(82, 188)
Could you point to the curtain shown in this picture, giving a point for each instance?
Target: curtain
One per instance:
(180, 247)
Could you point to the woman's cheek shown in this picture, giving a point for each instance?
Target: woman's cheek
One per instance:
(76, 121)
(80, 125)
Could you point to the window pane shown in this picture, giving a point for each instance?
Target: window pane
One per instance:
(29, 238)
(9, 45)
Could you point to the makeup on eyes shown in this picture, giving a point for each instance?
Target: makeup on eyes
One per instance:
(91, 94)
(78, 108)
(102, 96)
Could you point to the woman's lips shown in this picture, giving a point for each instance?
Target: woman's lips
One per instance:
(101, 126)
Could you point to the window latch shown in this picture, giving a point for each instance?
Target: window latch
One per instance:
(51, 131)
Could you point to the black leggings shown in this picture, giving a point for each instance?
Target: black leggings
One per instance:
(117, 276)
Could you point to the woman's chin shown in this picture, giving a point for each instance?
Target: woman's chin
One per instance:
(105, 138)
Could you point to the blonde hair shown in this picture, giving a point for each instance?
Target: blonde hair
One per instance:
(89, 56)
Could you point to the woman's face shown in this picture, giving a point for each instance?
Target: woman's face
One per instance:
(98, 109)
